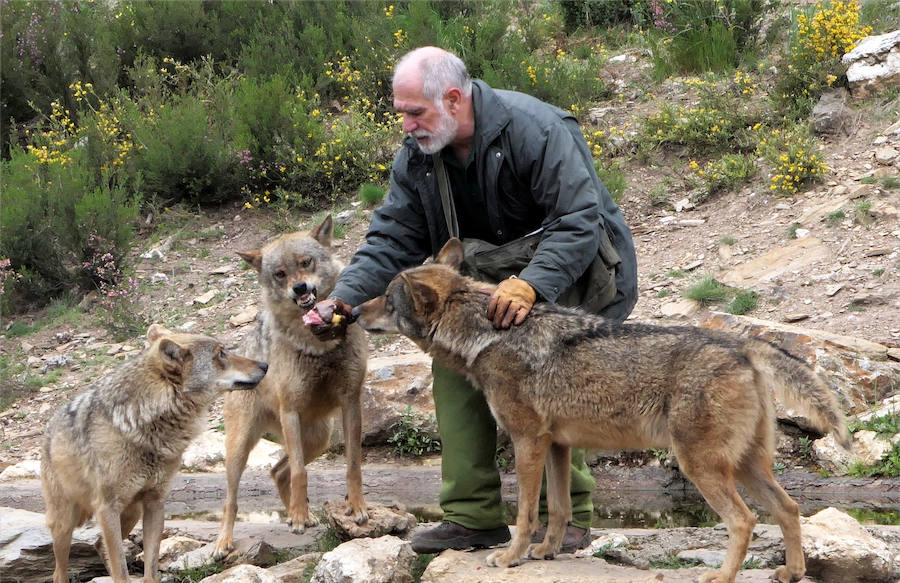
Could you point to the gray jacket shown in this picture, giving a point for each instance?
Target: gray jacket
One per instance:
(535, 170)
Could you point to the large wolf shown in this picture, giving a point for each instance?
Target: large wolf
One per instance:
(566, 379)
(113, 450)
(308, 380)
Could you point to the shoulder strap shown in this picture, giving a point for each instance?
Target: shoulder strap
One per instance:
(446, 200)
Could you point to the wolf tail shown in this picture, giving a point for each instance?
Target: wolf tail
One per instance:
(798, 386)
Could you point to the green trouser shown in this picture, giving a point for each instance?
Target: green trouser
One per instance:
(470, 480)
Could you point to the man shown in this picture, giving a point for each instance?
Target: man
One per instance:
(514, 165)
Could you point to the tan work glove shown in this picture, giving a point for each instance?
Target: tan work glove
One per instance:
(511, 302)
(329, 319)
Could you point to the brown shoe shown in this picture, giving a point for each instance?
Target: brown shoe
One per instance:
(450, 535)
(575, 538)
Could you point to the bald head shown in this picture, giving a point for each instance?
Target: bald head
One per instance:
(432, 71)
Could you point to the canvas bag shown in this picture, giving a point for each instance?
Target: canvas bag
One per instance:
(484, 261)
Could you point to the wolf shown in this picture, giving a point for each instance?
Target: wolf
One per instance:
(566, 379)
(112, 451)
(308, 380)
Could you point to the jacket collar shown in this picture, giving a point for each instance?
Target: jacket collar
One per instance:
(491, 114)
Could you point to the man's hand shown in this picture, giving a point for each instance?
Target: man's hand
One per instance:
(511, 302)
(329, 319)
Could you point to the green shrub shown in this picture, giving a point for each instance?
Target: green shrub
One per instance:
(722, 121)
(409, 439)
(371, 194)
(596, 13)
(708, 291)
(834, 218)
(724, 174)
(693, 37)
(183, 155)
(743, 303)
(792, 154)
(821, 36)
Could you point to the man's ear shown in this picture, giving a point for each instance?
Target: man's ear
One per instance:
(253, 257)
(453, 97)
(451, 254)
(323, 232)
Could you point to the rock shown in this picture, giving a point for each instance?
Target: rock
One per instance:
(889, 406)
(679, 308)
(859, 370)
(158, 252)
(839, 550)
(886, 155)
(383, 520)
(222, 270)
(255, 552)
(469, 567)
(242, 574)
(159, 277)
(874, 65)
(831, 115)
(205, 298)
(188, 326)
(793, 257)
(244, 317)
(23, 469)
(868, 448)
(172, 547)
(207, 453)
(386, 397)
(387, 559)
(711, 558)
(344, 217)
(26, 553)
(295, 570)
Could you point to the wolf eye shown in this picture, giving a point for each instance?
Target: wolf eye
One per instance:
(279, 274)
(306, 263)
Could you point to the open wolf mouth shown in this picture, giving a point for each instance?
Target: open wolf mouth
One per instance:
(307, 300)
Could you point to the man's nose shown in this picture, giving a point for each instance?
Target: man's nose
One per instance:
(409, 125)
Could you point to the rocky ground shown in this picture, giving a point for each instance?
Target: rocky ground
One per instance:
(841, 277)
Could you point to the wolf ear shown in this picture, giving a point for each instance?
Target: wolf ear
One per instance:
(451, 254)
(424, 298)
(156, 331)
(253, 257)
(172, 351)
(323, 232)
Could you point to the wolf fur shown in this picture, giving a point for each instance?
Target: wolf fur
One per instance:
(308, 380)
(566, 379)
(112, 451)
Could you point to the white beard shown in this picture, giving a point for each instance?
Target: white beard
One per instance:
(442, 135)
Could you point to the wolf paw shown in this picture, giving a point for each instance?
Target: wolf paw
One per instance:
(784, 575)
(361, 515)
(223, 548)
(299, 525)
(502, 558)
(541, 551)
(715, 577)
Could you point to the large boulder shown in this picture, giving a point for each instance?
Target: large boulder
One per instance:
(387, 559)
(874, 65)
(839, 550)
(26, 548)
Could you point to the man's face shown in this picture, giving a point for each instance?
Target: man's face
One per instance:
(428, 122)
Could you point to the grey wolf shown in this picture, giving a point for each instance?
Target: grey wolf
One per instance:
(308, 380)
(113, 450)
(566, 379)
